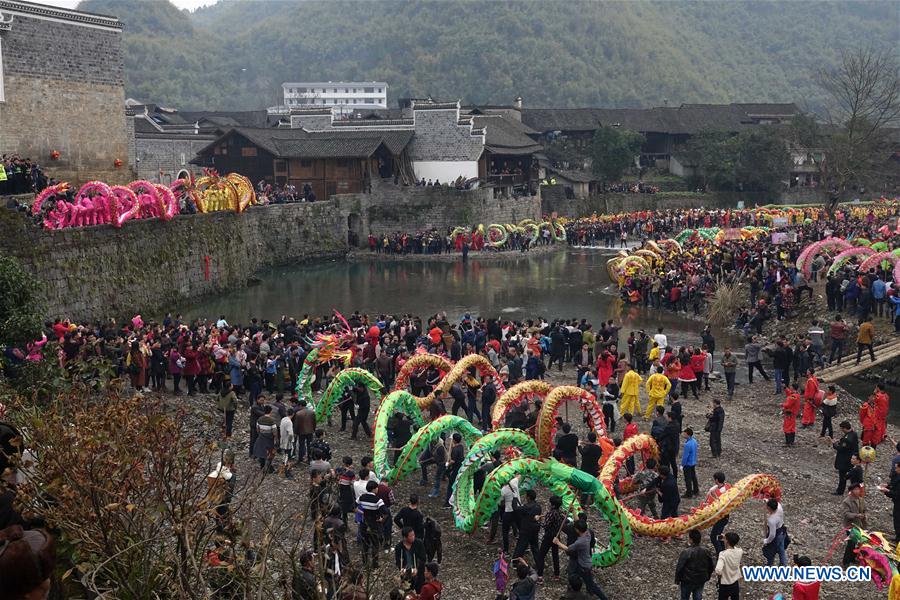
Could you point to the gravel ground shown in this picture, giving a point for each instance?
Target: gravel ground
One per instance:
(752, 442)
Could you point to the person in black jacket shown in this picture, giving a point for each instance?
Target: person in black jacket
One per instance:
(411, 516)
(668, 493)
(488, 397)
(846, 447)
(553, 522)
(694, 568)
(557, 347)
(782, 357)
(409, 556)
(892, 491)
(715, 424)
(529, 515)
(668, 444)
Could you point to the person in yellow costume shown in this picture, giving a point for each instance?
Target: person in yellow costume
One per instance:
(654, 353)
(658, 386)
(631, 385)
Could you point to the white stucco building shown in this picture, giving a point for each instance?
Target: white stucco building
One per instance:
(344, 96)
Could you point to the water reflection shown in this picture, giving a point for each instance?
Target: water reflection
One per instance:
(569, 284)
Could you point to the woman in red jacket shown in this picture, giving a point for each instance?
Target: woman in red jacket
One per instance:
(811, 400)
(191, 367)
(605, 365)
(698, 360)
(686, 376)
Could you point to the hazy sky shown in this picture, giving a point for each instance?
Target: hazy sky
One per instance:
(188, 4)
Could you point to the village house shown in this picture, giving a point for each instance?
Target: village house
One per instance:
(438, 142)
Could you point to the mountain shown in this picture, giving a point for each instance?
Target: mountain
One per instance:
(235, 54)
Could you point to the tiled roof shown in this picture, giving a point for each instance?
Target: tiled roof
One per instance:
(417, 105)
(296, 143)
(506, 136)
(246, 118)
(373, 123)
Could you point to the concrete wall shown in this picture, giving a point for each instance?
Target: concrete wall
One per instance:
(391, 208)
(148, 266)
(64, 90)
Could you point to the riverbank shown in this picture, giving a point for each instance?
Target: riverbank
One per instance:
(752, 443)
(475, 256)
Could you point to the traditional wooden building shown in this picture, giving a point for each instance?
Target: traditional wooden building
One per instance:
(330, 162)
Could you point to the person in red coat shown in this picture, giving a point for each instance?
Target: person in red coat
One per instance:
(605, 365)
(882, 403)
(867, 422)
(790, 409)
(805, 590)
(810, 400)
(686, 375)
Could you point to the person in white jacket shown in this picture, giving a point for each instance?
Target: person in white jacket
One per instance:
(286, 445)
(728, 567)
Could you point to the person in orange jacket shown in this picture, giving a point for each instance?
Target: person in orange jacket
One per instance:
(790, 408)
(882, 403)
(867, 423)
(811, 400)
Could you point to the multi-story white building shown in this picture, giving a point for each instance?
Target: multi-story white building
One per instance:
(345, 96)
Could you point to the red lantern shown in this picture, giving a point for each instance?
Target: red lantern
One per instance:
(54, 155)
(117, 163)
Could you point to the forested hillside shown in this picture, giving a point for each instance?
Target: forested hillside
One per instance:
(235, 54)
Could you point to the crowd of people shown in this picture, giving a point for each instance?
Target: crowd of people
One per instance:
(20, 176)
(686, 281)
(283, 194)
(434, 241)
(256, 365)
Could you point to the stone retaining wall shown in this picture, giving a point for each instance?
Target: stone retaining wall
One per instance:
(151, 265)
(147, 266)
(391, 208)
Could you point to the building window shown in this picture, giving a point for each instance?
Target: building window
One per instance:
(370, 90)
(280, 166)
(248, 151)
(306, 163)
(379, 90)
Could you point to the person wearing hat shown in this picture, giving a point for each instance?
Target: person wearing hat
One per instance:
(853, 509)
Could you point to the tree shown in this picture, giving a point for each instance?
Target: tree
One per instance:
(714, 154)
(613, 150)
(864, 89)
(754, 160)
(21, 307)
(762, 160)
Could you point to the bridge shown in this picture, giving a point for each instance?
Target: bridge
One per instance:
(885, 352)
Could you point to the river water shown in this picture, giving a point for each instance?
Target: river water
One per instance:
(566, 284)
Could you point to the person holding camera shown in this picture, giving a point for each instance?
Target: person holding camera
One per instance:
(728, 567)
